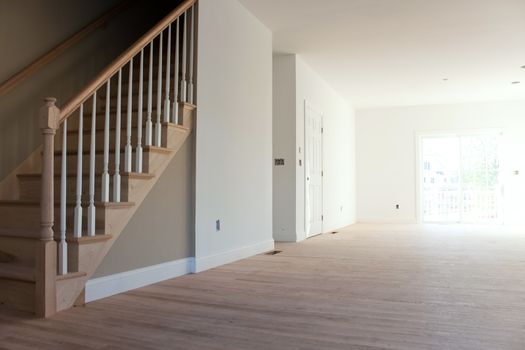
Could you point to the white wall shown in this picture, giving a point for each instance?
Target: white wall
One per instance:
(386, 154)
(338, 149)
(234, 134)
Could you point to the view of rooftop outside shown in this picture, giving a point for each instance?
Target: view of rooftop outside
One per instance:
(460, 179)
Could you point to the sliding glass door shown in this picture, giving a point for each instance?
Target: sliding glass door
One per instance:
(460, 178)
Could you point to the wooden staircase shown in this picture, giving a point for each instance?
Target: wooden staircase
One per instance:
(75, 198)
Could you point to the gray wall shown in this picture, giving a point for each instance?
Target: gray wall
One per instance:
(162, 229)
(28, 29)
(284, 114)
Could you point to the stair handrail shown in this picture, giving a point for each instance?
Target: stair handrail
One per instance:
(58, 50)
(114, 67)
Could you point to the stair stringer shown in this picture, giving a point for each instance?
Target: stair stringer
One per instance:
(71, 291)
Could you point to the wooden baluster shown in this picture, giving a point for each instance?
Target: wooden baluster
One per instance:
(62, 245)
(138, 163)
(92, 155)
(118, 128)
(129, 150)
(175, 109)
(191, 49)
(46, 249)
(168, 67)
(184, 84)
(159, 96)
(77, 229)
(105, 170)
(149, 126)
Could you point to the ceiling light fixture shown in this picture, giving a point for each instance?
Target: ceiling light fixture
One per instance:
(515, 82)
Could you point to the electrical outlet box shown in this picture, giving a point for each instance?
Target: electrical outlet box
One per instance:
(218, 225)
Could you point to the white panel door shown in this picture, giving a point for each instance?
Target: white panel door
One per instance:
(313, 125)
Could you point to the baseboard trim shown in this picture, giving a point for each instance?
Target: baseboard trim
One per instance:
(211, 261)
(285, 238)
(386, 221)
(106, 286)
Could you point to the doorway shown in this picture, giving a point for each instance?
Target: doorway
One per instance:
(313, 168)
(460, 178)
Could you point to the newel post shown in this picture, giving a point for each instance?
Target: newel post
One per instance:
(46, 262)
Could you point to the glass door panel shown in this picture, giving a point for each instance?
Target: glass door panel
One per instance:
(440, 179)
(460, 178)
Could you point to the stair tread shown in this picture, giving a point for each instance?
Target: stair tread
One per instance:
(17, 272)
(98, 237)
(71, 275)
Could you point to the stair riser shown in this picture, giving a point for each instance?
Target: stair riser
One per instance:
(100, 123)
(173, 137)
(71, 162)
(73, 121)
(30, 188)
(28, 217)
(101, 100)
(101, 104)
(167, 139)
(72, 140)
(17, 295)
(82, 256)
(17, 250)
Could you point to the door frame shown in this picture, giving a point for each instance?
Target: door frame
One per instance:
(307, 105)
(419, 135)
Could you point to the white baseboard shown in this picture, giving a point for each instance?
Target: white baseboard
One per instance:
(107, 286)
(286, 237)
(386, 221)
(104, 287)
(211, 261)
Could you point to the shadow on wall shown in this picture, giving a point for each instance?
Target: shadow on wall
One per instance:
(64, 77)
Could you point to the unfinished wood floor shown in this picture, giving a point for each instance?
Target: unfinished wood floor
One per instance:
(367, 287)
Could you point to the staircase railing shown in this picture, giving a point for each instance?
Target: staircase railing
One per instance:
(166, 52)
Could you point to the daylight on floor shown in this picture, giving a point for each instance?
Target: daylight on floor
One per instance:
(262, 174)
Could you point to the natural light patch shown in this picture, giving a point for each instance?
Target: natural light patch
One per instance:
(460, 178)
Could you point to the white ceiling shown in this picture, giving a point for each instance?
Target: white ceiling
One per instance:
(397, 52)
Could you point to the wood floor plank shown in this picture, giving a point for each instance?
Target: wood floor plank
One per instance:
(368, 287)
